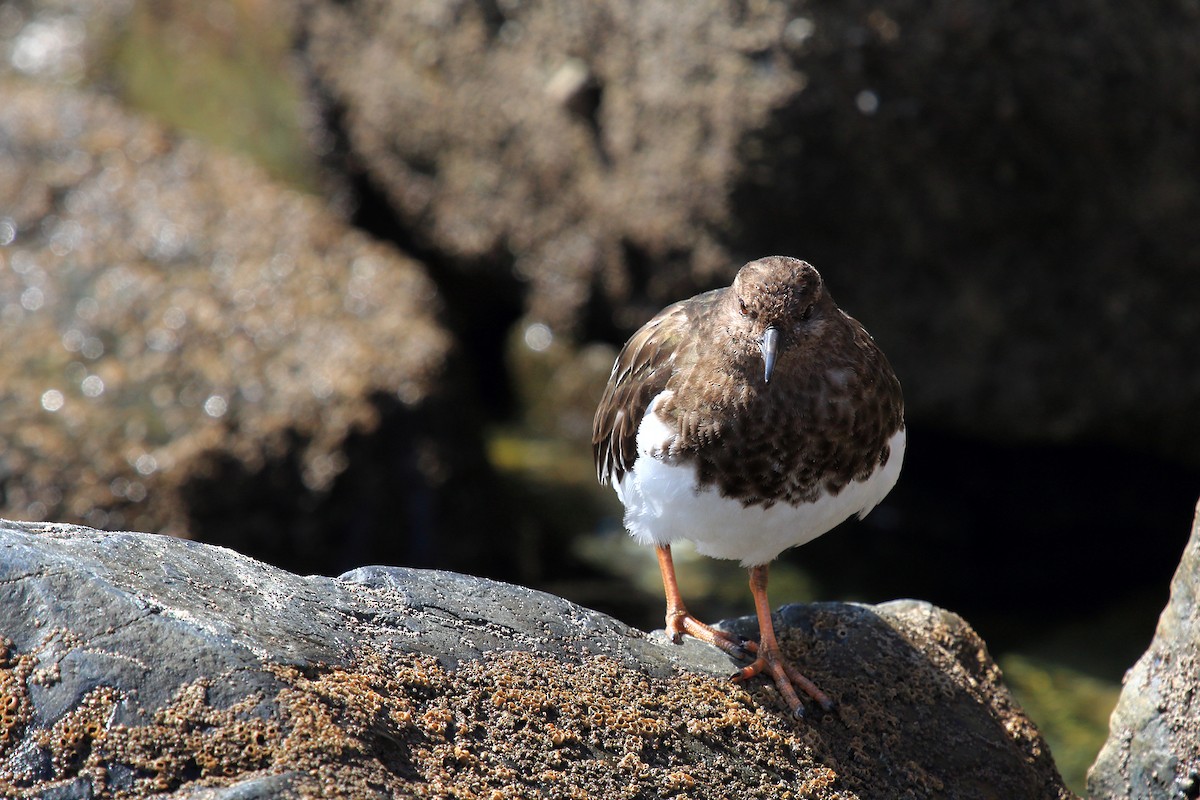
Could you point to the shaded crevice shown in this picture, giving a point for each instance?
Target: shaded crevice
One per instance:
(482, 297)
(639, 266)
(415, 491)
(1029, 510)
(585, 103)
(493, 16)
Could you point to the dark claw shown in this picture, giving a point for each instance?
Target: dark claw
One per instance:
(799, 713)
(829, 706)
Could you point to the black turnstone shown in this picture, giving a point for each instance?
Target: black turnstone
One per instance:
(749, 420)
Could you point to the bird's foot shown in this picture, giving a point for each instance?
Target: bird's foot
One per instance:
(787, 679)
(682, 622)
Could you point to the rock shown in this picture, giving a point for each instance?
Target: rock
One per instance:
(192, 348)
(580, 150)
(140, 664)
(57, 41)
(1153, 747)
(966, 158)
(220, 72)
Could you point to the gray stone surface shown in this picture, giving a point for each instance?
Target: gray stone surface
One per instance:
(140, 664)
(1153, 748)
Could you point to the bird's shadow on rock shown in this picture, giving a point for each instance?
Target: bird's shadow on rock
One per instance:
(918, 699)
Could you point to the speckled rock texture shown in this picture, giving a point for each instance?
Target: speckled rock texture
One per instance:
(1023, 252)
(191, 348)
(143, 665)
(57, 41)
(1153, 747)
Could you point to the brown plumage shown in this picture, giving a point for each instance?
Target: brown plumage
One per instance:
(748, 419)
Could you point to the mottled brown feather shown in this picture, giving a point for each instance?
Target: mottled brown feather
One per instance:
(645, 366)
(823, 420)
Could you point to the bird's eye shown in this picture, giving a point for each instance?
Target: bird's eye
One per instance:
(742, 306)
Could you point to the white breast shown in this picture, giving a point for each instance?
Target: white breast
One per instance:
(663, 503)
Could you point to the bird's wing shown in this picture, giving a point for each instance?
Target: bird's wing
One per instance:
(642, 371)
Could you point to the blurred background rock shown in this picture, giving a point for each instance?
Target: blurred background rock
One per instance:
(383, 340)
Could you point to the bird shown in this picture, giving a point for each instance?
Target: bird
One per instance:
(748, 420)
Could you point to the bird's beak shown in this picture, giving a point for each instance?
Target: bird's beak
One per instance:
(768, 344)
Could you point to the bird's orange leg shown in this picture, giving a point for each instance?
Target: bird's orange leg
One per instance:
(770, 658)
(680, 620)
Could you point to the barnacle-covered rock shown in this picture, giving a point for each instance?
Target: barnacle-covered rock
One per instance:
(145, 663)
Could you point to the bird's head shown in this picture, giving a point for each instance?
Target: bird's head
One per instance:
(779, 304)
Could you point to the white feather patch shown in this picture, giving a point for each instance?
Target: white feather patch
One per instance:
(663, 503)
